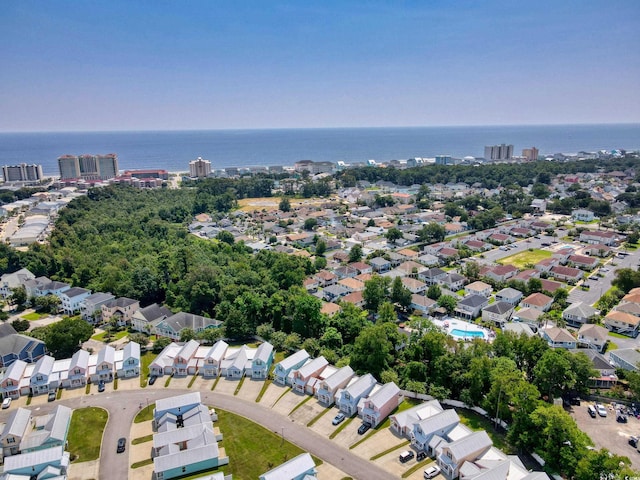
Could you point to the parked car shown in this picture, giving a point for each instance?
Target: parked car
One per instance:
(152, 379)
(633, 441)
(101, 386)
(621, 418)
(6, 403)
(362, 429)
(431, 472)
(421, 456)
(122, 444)
(339, 418)
(406, 456)
(601, 410)
(592, 411)
(51, 397)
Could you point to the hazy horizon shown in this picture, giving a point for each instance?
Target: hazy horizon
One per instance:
(200, 65)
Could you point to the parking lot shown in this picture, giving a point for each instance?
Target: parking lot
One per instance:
(607, 433)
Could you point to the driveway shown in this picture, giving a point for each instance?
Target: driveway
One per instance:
(289, 402)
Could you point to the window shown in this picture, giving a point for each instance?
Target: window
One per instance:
(11, 440)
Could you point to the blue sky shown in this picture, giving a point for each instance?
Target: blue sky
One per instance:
(127, 65)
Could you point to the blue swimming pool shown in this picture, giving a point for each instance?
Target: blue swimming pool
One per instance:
(463, 333)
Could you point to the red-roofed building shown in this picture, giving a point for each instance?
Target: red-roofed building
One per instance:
(502, 273)
(569, 274)
(539, 301)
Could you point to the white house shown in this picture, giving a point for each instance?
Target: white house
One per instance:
(128, 360)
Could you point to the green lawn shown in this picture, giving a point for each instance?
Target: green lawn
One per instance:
(618, 335)
(145, 360)
(34, 316)
(101, 336)
(521, 259)
(252, 448)
(145, 414)
(85, 433)
(478, 422)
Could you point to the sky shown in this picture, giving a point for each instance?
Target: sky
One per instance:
(176, 65)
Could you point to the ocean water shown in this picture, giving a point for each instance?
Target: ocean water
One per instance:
(172, 150)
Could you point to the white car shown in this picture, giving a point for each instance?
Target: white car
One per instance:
(6, 403)
(432, 472)
(601, 410)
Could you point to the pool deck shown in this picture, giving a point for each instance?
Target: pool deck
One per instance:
(451, 324)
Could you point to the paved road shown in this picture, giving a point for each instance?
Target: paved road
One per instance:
(124, 405)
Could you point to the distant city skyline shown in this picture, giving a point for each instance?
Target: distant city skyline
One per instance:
(199, 65)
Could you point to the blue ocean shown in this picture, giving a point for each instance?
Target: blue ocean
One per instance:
(172, 150)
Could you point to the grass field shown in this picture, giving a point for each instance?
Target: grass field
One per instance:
(478, 422)
(34, 316)
(85, 433)
(253, 448)
(100, 336)
(145, 414)
(520, 260)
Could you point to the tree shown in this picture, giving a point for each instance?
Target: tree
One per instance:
(265, 331)
(310, 223)
(432, 233)
(139, 338)
(371, 351)
(603, 464)
(160, 343)
(278, 339)
(285, 204)
(400, 294)
(447, 302)
(187, 334)
(626, 279)
(434, 292)
(331, 338)
(553, 374)
(355, 254)
(65, 337)
(393, 235)
(48, 303)
(386, 313)
(376, 290)
(21, 325)
(321, 247)
(19, 297)
(472, 270)
(226, 237)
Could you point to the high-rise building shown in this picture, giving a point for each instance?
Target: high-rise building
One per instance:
(199, 168)
(498, 152)
(88, 167)
(22, 173)
(443, 160)
(530, 154)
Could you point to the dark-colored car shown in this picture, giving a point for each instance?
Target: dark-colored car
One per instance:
(122, 444)
(592, 411)
(152, 379)
(421, 456)
(621, 418)
(633, 441)
(406, 456)
(101, 386)
(362, 429)
(51, 397)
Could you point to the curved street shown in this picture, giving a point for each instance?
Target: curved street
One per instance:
(124, 405)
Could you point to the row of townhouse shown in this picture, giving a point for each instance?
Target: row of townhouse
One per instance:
(219, 360)
(624, 318)
(49, 374)
(459, 451)
(352, 394)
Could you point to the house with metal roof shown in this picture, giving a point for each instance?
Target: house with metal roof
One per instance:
(328, 388)
(10, 383)
(453, 455)
(439, 424)
(359, 387)
(209, 366)
(78, 370)
(402, 422)
(301, 467)
(302, 376)
(102, 365)
(237, 362)
(48, 463)
(262, 360)
(184, 361)
(15, 429)
(284, 368)
(128, 360)
(40, 381)
(48, 431)
(377, 407)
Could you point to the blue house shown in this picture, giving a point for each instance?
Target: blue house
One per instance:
(301, 467)
(290, 363)
(48, 463)
(262, 361)
(349, 397)
(14, 346)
